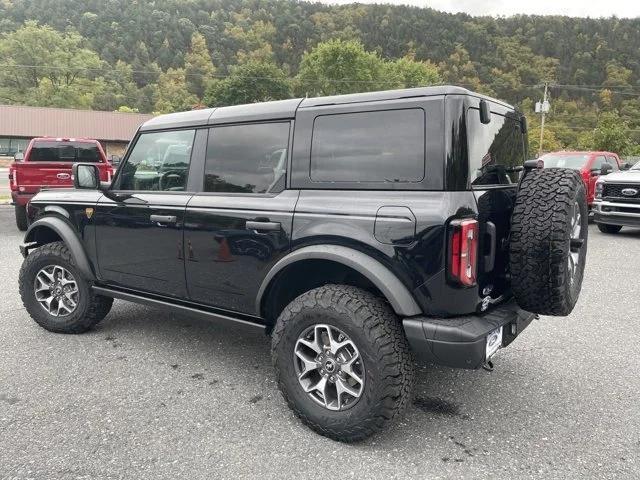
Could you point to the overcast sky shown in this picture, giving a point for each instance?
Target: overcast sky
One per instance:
(573, 8)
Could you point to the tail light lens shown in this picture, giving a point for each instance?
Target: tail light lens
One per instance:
(13, 179)
(463, 251)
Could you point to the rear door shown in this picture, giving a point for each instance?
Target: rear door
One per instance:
(239, 225)
(139, 225)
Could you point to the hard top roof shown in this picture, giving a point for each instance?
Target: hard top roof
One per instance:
(285, 109)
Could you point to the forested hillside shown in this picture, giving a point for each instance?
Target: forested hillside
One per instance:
(164, 55)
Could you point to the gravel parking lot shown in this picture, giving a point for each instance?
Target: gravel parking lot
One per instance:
(151, 395)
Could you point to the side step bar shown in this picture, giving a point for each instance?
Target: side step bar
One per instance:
(175, 307)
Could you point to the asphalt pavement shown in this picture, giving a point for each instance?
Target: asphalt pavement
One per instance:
(150, 395)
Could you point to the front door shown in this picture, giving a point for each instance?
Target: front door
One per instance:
(240, 225)
(139, 225)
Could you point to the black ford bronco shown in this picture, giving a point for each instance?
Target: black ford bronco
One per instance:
(362, 232)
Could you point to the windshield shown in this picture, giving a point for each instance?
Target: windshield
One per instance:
(636, 166)
(573, 161)
(55, 151)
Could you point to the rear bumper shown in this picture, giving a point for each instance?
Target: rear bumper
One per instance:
(617, 213)
(460, 342)
(21, 199)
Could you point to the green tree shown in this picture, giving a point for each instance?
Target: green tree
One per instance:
(145, 71)
(199, 69)
(44, 67)
(253, 81)
(406, 72)
(611, 134)
(116, 88)
(172, 93)
(337, 66)
(458, 69)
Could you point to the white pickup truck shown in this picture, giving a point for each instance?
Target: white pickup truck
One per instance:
(617, 200)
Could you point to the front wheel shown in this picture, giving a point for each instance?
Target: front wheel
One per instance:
(342, 361)
(604, 228)
(56, 295)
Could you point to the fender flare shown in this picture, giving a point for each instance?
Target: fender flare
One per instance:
(68, 236)
(397, 294)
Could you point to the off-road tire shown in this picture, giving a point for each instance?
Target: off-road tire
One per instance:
(91, 308)
(21, 218)
(388, 362)
(540, 241)
(605, 228)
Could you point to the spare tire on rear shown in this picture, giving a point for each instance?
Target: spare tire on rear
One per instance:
(548, 243)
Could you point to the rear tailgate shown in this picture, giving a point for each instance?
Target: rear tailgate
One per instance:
(31, 176)
(48, 163)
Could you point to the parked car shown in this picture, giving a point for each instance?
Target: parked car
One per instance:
(617, 201)
(591, 166)
(378, 228)
(47, 163)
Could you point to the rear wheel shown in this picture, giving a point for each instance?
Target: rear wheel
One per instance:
(548, 245)
(342, 361)
(21, 217)
(604, 228)
(56, 295)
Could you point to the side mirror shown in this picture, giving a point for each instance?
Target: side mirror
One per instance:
(18, 157)
(115, 160)
(625, 166)
(86, 176)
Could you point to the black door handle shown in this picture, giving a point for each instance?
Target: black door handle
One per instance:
(255, 225)
(163, 218)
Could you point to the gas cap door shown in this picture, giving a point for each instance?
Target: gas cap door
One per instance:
(395, 225)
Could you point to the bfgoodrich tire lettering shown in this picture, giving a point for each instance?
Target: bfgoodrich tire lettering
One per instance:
(548, 245)
(374, 329)
(89, 308)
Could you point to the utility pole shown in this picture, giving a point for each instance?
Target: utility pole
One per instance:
(543, 108)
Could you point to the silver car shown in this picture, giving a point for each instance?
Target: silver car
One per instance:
(617, 200)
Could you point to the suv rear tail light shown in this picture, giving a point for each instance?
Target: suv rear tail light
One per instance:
(463, 251)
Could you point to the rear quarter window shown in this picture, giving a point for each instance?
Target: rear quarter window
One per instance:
(495, 149)
(385, 146)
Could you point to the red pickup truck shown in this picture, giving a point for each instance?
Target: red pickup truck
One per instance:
(47, 163)
(590, 165)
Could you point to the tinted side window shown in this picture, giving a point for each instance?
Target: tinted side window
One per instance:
(382, 146)
(612, 161)
(248, 158)
(159, 161)
(494, 149)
